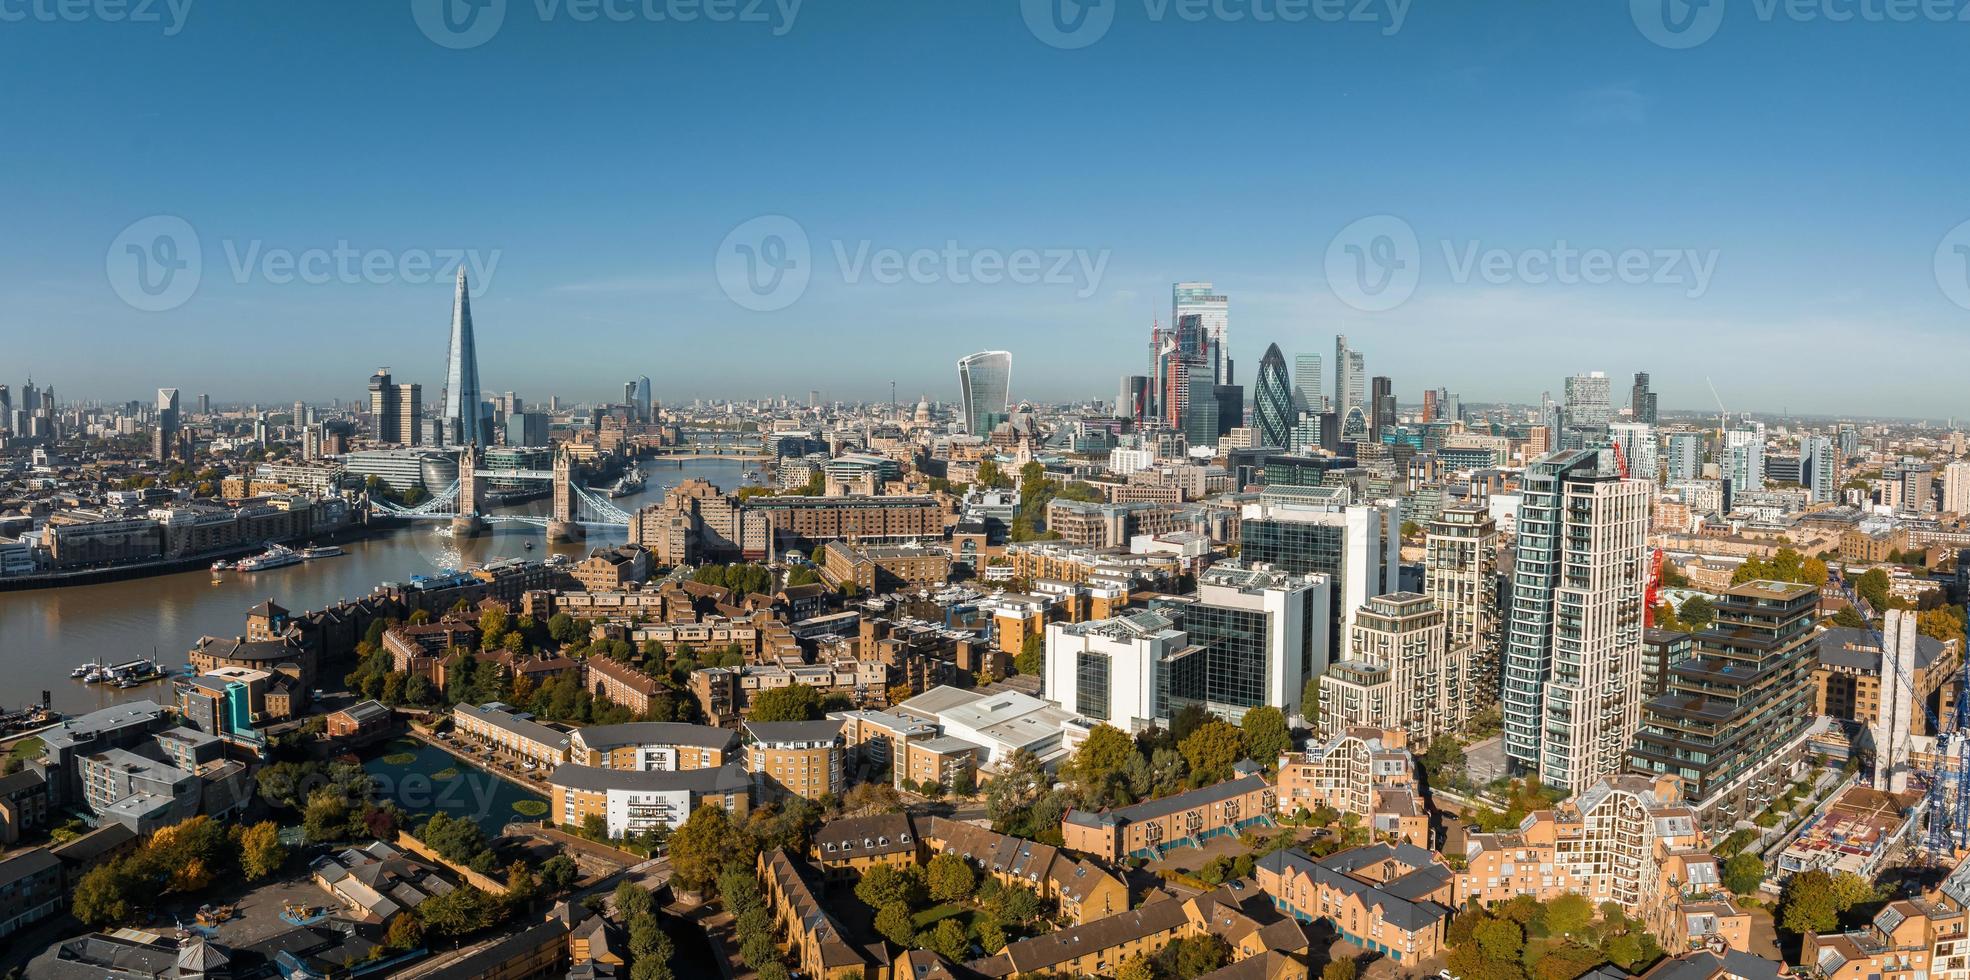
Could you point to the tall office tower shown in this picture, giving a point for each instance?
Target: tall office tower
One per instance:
(164, 438)
(1133, 401)
(1587, 399)
(394, 410)
(1637, 442)
(1184, 357)
(1231, 407)
(1449, 406)
(1685, 456)
(463, 418)
(205, 404)
(1320, 529)
(1744, 457)
(1256, 633)
(30, 399)
(1460, 575)
(985, 386)
(6, 408)
(1641, 401)
(1350, 379)
(1307, 396)
(1956, 488)
(1403, 632)
(1213, 312)
(1821, 474)
(629, 397)
(1381, 399)
(1733, 718)
(1573, 640)
(1429, 405)
(1272, 401)
(646, 405)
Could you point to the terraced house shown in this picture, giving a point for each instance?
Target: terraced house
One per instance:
(1392, 899)
(1084, 890)
(1156, 827)
(815, 943)
(1368, 772)
(1243, 919)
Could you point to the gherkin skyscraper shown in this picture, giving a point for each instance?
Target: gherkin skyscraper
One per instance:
(462, 374)
(1272, 404)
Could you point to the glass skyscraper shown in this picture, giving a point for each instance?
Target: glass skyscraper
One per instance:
(984, 385)
(462, 396)
(1272, 401)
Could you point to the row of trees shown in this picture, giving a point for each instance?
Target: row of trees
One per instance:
(901, 897)
(650, 947)
(1556, 940)
(183, 859)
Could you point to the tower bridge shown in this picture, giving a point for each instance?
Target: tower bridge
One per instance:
(572, 510)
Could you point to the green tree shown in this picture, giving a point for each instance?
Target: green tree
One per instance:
(1696, 612)
(947, 939)
(1341, 969)
(633, 901)
(1743, 873)
(1102, 757)
(795, 702)
(1211, 749)
(1569, 914)
(893, 922)
(950, 878)
(991, 935)
(404, 934)
(1032, 657)
(1808, 904)
(104, 895)
(559, 873)
(1310, 701)
(456, 913)
(1201, 954)
(1136, 967)
(1266, 738)
(1498, 939)
(1010, 794)
(700, 849)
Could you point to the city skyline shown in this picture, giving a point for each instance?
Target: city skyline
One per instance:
(1536, 104)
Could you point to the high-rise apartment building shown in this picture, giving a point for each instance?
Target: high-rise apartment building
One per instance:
(1213, 312)
(1733, 720)
(1573, 640)
(1956, 487)
(1272, 401)
(464, 418)
(1587, 400)
(1460, 575)
(205, 404)
(394, 410)
(1641, 401)
(164, 438)
(984, 388)
(1637, 442)
(1685, 458)
(1403, 632)
(1744, 457)
(1307, 395)
(1820, 473)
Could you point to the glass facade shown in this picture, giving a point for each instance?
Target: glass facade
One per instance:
(985, 385)
(1091, 684)
(1272, 401)
(1236, 667)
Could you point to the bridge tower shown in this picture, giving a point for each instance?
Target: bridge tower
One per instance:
(471, 495)
(561, 524)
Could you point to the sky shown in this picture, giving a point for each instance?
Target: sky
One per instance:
(1772, 200)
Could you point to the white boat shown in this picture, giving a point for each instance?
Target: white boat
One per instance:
(631, 482)
(222, 565)
(82, 671)
(275, 556)
(313, 552)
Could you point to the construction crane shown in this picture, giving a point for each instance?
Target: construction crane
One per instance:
(1945, 773)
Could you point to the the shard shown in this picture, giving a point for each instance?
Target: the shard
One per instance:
(462, 410)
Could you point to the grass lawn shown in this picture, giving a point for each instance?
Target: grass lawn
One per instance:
(27, 748)
(937, 913)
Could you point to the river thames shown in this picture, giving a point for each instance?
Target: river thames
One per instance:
(46, 633)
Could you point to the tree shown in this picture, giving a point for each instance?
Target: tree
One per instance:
(1874, 586)
(884, 885)
(1032, 657)
(947, 939)
(1808, 904)
(559, 873)
(1101, 758)
(633, 900)
(1849, 617)
(404, 934)
(991, 935)
(1211, 749)
(1016, 789)
(103, 896)
(1136, 967)
(1498, 939)
(1569, 914)
(456, 913)
(1696, 612)
(893, 922)
(700, 848)
(1200, 955)
(1743, 873)
(1343, 969)
(1310, 700)
(950, 878)
(260, 850)
(795, 702)
(326, 818)
(1266, 738)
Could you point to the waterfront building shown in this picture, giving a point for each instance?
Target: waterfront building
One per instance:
(637, 801)
(653, 746)
(1573, 664)
(511, 732)
(796, 758)
(985, 389)
(1734, 719)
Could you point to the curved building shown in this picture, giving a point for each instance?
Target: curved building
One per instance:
(1272, 401)
(985, 383)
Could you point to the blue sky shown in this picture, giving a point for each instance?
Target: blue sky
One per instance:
(604, 164)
